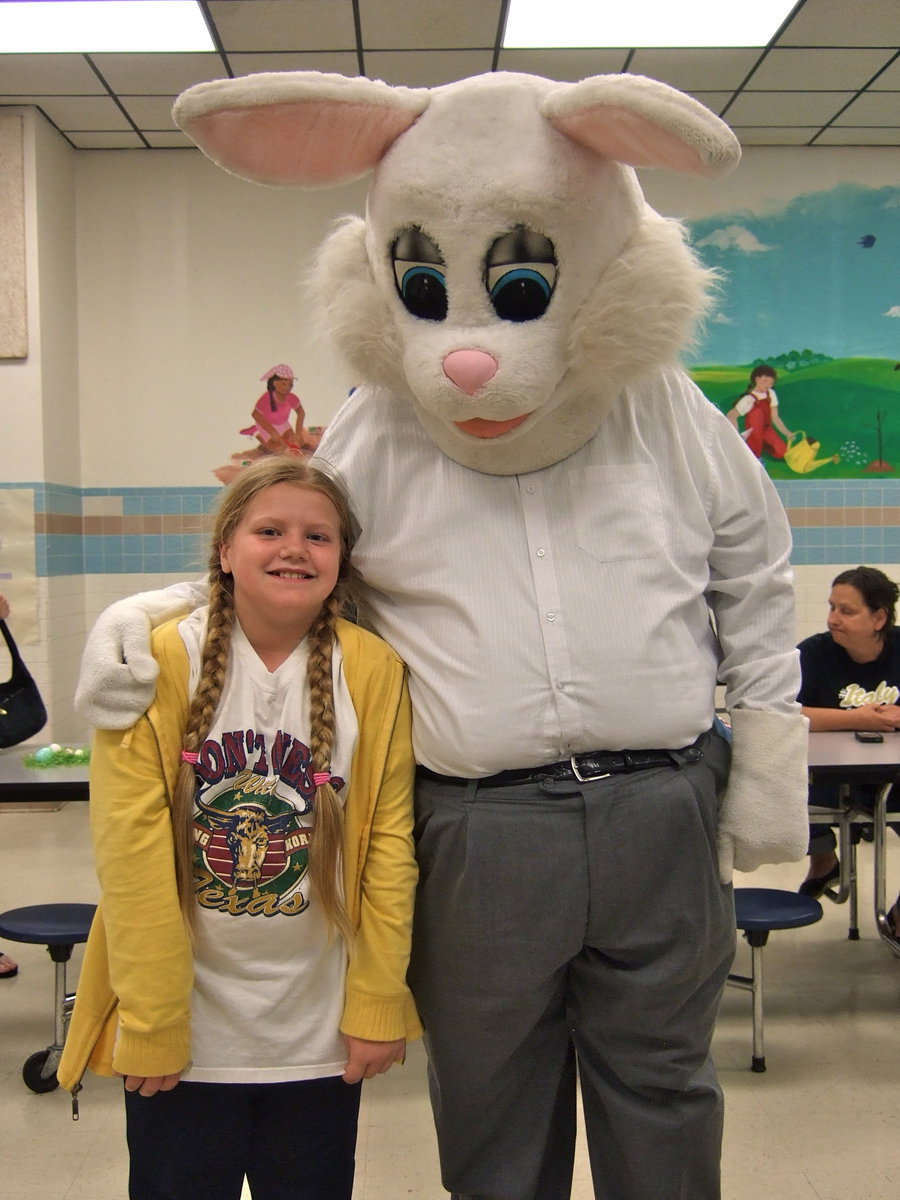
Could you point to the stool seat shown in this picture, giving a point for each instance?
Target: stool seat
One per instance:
(760, 908)
(59, 927)
(48, 924)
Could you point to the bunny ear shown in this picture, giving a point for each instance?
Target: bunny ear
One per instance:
(299, 127)
(643, 123)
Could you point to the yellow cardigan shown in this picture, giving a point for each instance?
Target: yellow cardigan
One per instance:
(132, 1007)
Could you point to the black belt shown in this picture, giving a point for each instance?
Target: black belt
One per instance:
(580, 768)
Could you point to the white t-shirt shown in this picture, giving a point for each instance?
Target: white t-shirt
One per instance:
(269, 984)
(743, 406)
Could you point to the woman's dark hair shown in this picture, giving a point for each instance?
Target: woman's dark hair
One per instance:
(762, 369)
(270, 388)
(876, 590)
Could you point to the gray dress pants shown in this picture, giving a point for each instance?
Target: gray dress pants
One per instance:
(573, 933)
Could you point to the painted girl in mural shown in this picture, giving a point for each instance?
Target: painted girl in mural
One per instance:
(759, 408)
(273, 428)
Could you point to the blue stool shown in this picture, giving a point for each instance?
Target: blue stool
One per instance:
(757, 912)
(59, 927)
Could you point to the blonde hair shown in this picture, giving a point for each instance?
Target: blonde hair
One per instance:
(325, 855)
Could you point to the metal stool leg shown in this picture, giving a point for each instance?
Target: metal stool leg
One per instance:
(757, 940)
(39, 1069)
(753, 983)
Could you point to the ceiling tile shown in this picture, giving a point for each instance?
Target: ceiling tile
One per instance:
(163, 140)
(105, 140)
(284, 24)
(84, 112)
(785, 108)
(795, 70)
(565, 65)
(836, 135)
(149, 112)
(412, 25)
(830, 50)
(889, 79)
(420, 68)
(690, 70)
(714, 101)
(872, 108)
(47, 75)
(157, 74)
(844, 23)
(764, 135)
(338, 62)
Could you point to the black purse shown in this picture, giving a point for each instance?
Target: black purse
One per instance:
(22, 712)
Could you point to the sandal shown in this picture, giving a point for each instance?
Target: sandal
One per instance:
(8, 968)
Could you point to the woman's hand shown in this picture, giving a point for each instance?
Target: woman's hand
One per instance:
(888, 716)
(149, 1085)
(368, 1059)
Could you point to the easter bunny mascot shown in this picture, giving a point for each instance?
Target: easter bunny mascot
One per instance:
(570, 547)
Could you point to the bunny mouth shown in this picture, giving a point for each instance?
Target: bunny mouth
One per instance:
(481, 428)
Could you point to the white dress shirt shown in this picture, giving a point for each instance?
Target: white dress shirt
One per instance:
(573, 608)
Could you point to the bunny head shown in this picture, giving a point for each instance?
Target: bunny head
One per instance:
(509, 278)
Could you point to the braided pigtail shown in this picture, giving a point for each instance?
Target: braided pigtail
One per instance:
(213, 666)
(325, 856)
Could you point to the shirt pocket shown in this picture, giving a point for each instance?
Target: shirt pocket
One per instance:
(618, 512)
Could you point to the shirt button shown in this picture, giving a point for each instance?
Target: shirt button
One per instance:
(530, 489)
(560, 687)
(540, 553)
(551, 616)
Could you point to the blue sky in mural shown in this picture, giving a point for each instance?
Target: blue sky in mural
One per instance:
(821, 272)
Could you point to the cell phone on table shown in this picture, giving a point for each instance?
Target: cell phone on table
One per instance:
(868, 735)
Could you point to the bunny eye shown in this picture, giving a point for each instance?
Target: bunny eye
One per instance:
(419, 273)
(520, 275)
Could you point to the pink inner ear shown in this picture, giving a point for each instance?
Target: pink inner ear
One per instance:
(623, 135)
(308, 141)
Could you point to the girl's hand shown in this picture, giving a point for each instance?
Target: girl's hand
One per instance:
(368, 1059)
(149, 1085)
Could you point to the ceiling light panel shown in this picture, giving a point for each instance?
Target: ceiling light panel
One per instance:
(91, 26)
(643, 23)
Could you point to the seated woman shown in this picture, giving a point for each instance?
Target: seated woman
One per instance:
(850, 680)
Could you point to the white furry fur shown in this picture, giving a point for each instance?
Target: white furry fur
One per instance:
(764, 817)
(467, 164)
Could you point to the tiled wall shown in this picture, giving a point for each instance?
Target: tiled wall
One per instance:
(843, 520)
(110, 531)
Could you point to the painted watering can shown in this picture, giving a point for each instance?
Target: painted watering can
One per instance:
(801, 452)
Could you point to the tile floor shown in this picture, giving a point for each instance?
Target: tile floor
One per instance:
(821, 1124)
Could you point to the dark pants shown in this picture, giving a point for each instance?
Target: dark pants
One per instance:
(293, 1141)
(574, 932)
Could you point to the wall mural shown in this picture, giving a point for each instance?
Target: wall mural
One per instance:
(811, 291)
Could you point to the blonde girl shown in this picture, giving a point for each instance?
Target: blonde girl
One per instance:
(247, 968)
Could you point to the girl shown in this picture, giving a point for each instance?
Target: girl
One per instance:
(272, 414)
(759, 408)
(247, 965)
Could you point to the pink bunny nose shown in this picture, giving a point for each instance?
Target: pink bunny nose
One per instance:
(470, 369)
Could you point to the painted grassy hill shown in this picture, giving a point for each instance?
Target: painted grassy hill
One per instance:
(850, 405)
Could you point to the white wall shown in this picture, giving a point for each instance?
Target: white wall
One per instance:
(189, 289)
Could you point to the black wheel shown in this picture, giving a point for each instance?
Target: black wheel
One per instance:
(31, 1073)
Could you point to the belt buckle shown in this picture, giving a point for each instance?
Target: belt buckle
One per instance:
(585, 778)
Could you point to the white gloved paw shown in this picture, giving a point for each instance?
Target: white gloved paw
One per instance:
(764, 818)
(118, 670)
